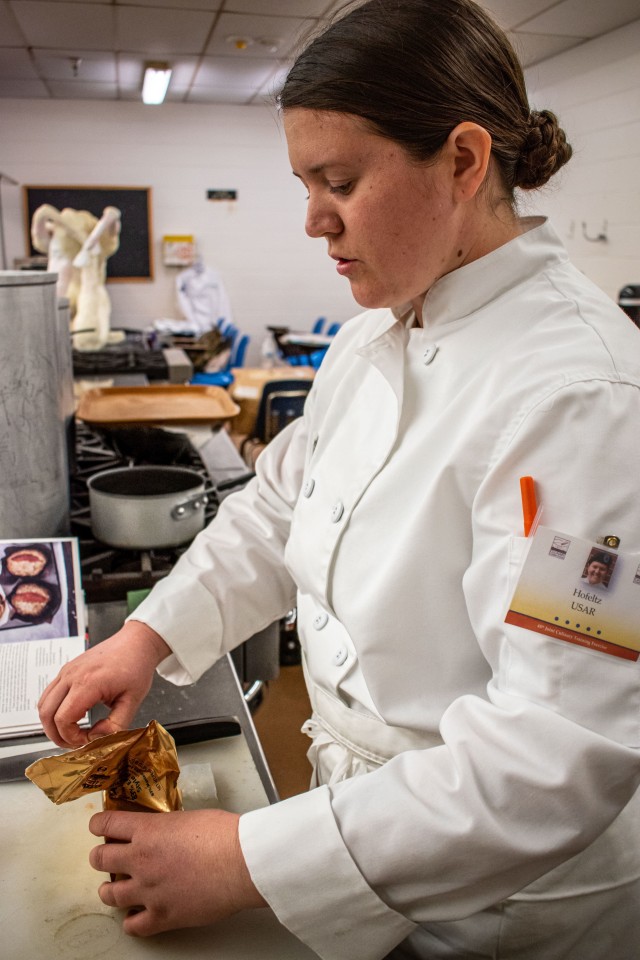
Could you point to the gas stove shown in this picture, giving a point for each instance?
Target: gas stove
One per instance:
(110, 573)
(138, 353)
(125, 359)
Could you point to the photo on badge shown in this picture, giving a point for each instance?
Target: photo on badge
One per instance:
(598, 568)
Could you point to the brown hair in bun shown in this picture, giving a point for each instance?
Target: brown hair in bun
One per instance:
(412, 70)
(544, 151)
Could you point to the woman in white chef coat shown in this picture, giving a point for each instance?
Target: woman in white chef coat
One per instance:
(474, 781)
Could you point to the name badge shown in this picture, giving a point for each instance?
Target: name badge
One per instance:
(581, 592)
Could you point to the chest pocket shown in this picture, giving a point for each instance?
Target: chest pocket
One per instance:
(598, 691)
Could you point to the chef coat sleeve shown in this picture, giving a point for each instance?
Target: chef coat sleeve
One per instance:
(231, 582)
(527, 777)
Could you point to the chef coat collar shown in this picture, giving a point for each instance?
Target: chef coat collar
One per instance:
(471, 287)
(465, 290)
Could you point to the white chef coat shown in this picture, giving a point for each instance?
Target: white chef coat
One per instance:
(395, 503)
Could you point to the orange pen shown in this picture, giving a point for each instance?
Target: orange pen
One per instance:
(529, 504)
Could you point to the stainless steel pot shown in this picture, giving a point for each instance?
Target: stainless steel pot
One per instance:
(141, 508)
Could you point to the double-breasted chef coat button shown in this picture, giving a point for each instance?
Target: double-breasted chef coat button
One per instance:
(429, 353)
(307, 487)
(340, 656)
(320, 620)
(337, 511)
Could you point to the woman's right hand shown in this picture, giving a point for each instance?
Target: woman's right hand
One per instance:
(117, 672)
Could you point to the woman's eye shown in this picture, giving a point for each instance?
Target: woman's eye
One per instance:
(340, 188)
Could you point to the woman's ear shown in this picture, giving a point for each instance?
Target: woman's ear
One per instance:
(469, 145)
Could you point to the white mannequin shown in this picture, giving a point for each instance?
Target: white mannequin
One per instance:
(78, 245)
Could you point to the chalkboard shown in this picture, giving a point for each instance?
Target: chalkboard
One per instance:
(133, 260)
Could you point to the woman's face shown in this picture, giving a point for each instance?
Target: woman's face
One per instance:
(390, 223)
(596, 572)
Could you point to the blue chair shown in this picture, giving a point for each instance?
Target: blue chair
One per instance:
(224, 377)
(221, 378)
(319, 325)
(333, 329)
(316, 358)
(229, 332)
(239, 351)
(298, 360)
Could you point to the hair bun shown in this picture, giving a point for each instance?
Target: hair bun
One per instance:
(544, 151)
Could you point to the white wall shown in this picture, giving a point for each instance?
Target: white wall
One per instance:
(595, 90)
(273, 272)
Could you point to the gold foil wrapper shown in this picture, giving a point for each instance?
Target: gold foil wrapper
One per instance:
(137, 770)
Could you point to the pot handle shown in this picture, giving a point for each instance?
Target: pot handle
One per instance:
(189, 506)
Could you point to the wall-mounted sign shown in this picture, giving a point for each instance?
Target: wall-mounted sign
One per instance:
(178, 250)
(222, 194)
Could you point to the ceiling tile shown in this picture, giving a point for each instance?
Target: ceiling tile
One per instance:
(268, 36)
(215, 72)
(24, 89)
(210, 5)
(17, 65)
(228, 95)
(63, 90)
(183, 71)
(162, 32)
(83, 25)
(575, 17)
(333, 8)
(93, 66)
(533, 47)
(276, 81)
(279, 8)
(132, 96)
(10, 35)
(130, 72)
(511, 13)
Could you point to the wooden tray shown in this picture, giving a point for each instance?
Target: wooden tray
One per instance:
(170, 404)
(249, 381)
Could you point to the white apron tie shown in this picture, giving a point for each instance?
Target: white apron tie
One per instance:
(345, 743)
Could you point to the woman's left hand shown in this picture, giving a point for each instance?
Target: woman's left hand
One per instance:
(182, 869)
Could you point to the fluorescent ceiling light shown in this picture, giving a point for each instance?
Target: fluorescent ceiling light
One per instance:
(156, 81)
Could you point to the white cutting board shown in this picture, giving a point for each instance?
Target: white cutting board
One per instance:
(49, 906)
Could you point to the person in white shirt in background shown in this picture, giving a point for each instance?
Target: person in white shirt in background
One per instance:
(202, 297)
(474, 784)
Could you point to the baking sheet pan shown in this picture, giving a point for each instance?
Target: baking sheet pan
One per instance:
(166, 403)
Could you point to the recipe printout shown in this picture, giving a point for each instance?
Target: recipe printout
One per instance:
(581, 592)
